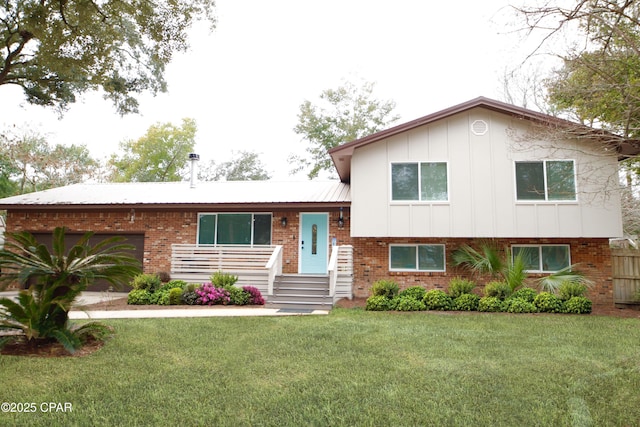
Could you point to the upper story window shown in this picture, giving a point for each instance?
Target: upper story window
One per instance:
(422, 181)
(234, 229)
(546, 180)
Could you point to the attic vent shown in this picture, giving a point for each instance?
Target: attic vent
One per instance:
(479, 127)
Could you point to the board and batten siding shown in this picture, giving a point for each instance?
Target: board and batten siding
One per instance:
(481, 180)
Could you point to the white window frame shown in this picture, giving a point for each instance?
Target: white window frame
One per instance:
(419, 200)
(546, 184)
(541, 264)
(215, 236)
(416, 245)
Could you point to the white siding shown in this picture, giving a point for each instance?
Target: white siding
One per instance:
(481, 176)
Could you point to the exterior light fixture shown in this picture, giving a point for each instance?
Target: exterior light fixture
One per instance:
(340, 220)
(283, 221)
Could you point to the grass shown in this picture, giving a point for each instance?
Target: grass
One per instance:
(349, 368)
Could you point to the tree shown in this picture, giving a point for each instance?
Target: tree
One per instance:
(29, 163)
(245, 167)
(55, 50)
(344, 114)
(160, 155)
(56, 277)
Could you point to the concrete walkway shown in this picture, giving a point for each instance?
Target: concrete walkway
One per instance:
(87, 298)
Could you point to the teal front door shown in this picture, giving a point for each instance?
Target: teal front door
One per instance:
(314, 243)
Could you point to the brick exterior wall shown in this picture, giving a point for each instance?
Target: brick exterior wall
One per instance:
(161, 228)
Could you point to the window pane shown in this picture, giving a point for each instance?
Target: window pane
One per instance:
(403, 257)
(560, 180)
(404, 181)
(262, 229)
(530, 256)
(206, 229)
(555, 258)
(234, 229)
(431, 257)
(530, 181)
(434, 181)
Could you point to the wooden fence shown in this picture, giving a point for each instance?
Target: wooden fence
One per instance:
(626, 275)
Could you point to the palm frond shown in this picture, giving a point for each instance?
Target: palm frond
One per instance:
(553, 281)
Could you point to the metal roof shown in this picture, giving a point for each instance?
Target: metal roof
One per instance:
(166, 194)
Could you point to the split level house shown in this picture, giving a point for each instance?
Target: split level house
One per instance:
(406, 198)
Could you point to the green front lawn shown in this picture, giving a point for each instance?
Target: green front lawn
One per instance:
(349, 368)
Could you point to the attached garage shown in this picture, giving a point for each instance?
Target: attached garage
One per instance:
(71, 238)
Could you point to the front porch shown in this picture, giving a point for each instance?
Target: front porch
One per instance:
(261, 267)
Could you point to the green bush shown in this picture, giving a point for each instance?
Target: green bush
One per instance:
(172, 285)
(223, 280)
(385, 288)
(498, 290)
(238, 296)
(146, 282)
(415, 292)
(160, 298)
(519, 305)
(578, 305)
(527, 294)
(490, 304)
(568, 290)
(459, 286)
(436, 299)
(407, 303)
(547, 302)
(139, 297)
(466, 302)
(189, 295)
(378, 303)
(175, 296)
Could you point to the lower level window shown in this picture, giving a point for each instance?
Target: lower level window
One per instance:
(543, 258)
(416, 258)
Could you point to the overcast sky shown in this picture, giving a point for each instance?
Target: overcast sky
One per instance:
(244, 82)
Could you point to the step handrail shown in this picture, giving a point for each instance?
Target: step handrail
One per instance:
(332, 269)
(274, 267)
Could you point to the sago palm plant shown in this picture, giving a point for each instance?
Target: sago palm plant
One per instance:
(55, 279)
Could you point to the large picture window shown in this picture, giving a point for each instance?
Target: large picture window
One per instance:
(416, 258)
(543, 258)
(546, 180)
(234, 229)
(425, 181)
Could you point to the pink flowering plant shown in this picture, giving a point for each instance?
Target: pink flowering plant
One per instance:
(256, 297)
(210, 295)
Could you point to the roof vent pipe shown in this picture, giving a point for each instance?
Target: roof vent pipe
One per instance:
(193, 158)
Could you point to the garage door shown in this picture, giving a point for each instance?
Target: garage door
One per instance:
(136, 240)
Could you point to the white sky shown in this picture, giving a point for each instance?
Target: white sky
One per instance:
(244, 82)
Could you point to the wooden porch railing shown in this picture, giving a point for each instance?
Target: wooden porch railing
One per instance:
(255, 266)
(341, 272)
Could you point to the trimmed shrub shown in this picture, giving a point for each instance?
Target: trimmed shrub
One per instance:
(490, 304)
(578, 305)
(527, 294)
(408, 303)
(459, 286)
(519, 305)
(385, 288)
(190, 297)
(378, 303)
(436, 299)
(237, 296)
(568, 290)
(548, 303)
(498, 290)
(161, 298)
(138, 297)
(415, 292)
(466, 302)
(255, 297)
(173, 284)
(147, 282)
(175, 296)
(223, 280)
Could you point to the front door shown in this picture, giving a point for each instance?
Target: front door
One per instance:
(314, 243)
